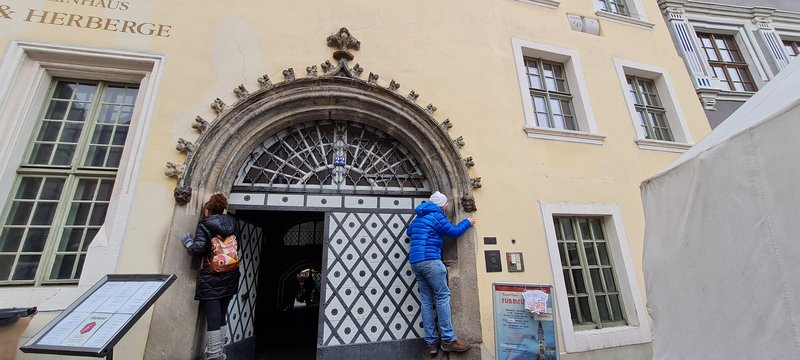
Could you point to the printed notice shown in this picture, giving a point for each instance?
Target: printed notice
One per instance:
(139, 298)
(58, 333)
(85, 330)
(122, 294)
(107, 331)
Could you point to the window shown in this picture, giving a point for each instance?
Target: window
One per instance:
(592, 291)
(654, 108)
(651, 114)
(594, 279)
(64, 185)
(618, 7)
(726, 62)
(555, 101)
(552, 102)
(792, 48)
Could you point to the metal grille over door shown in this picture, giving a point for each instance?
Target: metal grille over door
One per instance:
(370, 292)
(332, 157)
(241, 311)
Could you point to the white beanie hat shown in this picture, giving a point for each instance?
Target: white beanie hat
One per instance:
(438, 198)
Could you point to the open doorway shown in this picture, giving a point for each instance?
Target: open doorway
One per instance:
(289, 277)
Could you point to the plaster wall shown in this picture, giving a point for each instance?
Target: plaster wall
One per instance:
(456, 54)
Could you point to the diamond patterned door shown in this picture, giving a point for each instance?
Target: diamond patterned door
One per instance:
(241, 311)
(370, 293)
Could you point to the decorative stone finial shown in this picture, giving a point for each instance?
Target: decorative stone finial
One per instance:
(183, 194)
(468, 162)
(326, 66)
(264, 81)
(459, 141)
(200, 124)
(173, 169)
(185, 146)
(288, 74)
(475, 182)
(357, 70)
(218, 105)
(343, 41)
(412, 96)
(446, 124)
(430, 109)
(312, 71)
(468, 203)
(372, 79)
(393, 86)
(241, 92)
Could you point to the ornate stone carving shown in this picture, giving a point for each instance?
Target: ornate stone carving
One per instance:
(468, 162)
(343, 41)
(288, 74)
(430, 109)
(393, 86)
(312, 71)
(468, 203)
(264, 81)
(459, 141)
(446, 124)
(326, 66)
(373, 79)
(412, 96)
(173, 169)
(185, 146)
(200, 124)
(218, 105)
(357, 70)
(241, 92)
(183, 194)
(475, 182)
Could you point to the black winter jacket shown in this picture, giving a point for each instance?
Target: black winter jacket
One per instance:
(211, 286)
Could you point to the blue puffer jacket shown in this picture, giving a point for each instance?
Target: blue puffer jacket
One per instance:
(426, 231)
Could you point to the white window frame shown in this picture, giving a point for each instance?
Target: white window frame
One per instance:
(667, 95)
(637, 17)
(745, 41)
(573, 70)
(552, 4)
(26, 73)
(638, 329)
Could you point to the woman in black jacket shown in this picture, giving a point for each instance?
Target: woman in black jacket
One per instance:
(214, 290)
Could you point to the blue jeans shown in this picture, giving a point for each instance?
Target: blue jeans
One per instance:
(432, 281)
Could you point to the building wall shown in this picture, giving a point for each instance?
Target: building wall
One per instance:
(457, 55)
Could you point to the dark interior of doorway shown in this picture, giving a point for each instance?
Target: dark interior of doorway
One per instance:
(287, 304)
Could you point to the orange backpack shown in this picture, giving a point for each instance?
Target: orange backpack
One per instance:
(224, 254)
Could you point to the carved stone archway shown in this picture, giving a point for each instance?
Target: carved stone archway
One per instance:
(339, 94)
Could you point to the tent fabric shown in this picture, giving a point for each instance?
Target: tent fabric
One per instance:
(722, 236)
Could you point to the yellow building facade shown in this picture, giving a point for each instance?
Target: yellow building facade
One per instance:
(538, 117)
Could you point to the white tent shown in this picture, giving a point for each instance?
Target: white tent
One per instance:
(722, 236)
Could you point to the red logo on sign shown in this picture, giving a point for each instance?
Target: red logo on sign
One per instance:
(88, 327)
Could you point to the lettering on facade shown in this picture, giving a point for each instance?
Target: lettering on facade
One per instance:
(87, 21)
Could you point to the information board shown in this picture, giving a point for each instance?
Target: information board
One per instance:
(96, 321)
(522, 332)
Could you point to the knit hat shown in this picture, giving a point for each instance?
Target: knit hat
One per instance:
(438, 198)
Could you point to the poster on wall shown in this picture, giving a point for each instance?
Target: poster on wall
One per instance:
(524, 325)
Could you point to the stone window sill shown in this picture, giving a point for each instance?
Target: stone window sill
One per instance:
(627, 20)
(565, 135)
(553, 4)
(658, 145)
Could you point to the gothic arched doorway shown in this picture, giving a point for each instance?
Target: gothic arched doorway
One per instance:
(409, 154)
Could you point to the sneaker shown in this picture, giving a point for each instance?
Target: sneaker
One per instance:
(433, 349)
(456, 346)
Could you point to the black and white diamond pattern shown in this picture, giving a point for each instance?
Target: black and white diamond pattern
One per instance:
(370, 292)
(241, 311)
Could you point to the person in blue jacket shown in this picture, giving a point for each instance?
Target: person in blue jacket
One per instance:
(425, 256)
